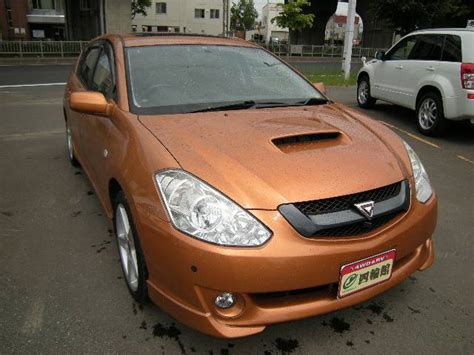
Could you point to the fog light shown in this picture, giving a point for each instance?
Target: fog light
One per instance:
(225, 300)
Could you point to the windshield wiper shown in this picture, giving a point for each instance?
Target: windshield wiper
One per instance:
(235, 106)
(250, 104)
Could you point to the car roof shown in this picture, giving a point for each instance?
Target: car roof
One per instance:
(153, 39)
(444, 30)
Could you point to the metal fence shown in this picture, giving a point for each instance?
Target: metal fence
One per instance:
(73, 48)
(319, 51)
(41, 48)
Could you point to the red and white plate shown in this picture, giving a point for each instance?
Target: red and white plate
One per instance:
(365, 273)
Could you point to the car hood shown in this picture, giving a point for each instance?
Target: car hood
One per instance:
(262, 158)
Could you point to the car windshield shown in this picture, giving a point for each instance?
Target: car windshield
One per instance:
(166, 79)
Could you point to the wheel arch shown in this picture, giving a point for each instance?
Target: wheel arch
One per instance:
(114, 189)
(362, 74)
(426, 89)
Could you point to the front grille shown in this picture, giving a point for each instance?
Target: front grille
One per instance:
(357, 228)
(338, 216)
(346, 202)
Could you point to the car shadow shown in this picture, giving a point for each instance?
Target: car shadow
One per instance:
(456, 131)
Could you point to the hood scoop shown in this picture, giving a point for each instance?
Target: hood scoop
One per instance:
(308, 141)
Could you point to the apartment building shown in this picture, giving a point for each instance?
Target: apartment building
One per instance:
(271, 32)
(184, 16)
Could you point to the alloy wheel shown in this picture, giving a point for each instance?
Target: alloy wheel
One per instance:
(126, 244)
(363, 92)
(427, 113)
(70, 151)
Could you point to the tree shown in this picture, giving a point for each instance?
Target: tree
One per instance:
(409, 15)
(243, 15)
(292, 16)
(140, 7)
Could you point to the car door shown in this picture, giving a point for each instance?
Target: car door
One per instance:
(80, 82)
(96, 128)
(420, 67)
(387, 72)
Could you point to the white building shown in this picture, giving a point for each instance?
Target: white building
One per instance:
(336, 26)
(182, 16)
(271, 32)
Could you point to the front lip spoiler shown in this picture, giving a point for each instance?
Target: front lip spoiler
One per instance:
(310, 225)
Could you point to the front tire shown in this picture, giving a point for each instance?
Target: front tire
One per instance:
(70, 147)
(364, 99)
(430, 115)
(130, 251)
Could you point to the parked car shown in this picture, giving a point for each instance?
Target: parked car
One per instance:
(430, 71)
(240, 195)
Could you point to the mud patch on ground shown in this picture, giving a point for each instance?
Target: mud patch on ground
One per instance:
(286, 345)
(414, 310)
(171, 332)
(339, 325)
(76, 213)
(387, 318)
(375, 308)
(89, 193)
(349, 343)
(7, 213)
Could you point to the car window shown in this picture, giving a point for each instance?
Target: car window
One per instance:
(452, 49)
(87, 65)
(184, 78)
(427, 47)
(402, 50)
(102, 80)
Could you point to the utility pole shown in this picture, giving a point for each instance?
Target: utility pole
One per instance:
(348, 39)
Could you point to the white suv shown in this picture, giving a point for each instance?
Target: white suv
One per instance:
(430, 71)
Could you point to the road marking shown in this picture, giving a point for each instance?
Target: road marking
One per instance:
(23, 136)
(414, 136)
(465, 159)
(29, 85)
(34, 318)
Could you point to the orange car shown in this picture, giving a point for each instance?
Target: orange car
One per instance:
(242, 196)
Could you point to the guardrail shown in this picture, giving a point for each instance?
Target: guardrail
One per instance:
(41, 48)
(319, 51)
(73, 48)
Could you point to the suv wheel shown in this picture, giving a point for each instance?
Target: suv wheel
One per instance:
(363, 93)
(430, 114)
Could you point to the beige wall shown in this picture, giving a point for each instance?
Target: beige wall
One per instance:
(180, 14)
(118, 16)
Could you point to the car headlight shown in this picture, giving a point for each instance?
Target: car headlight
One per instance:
(422, 182)
(201, 211)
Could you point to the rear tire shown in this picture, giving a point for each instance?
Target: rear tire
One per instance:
(364, 99)
(130, 251)
(430, 115)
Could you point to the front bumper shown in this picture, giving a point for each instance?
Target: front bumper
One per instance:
(288, 278)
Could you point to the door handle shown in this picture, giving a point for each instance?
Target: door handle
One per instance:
(399, 67)
(430, 69)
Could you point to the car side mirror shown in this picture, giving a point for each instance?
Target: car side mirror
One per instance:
(380, 55)
(90, 102)
(320, 87)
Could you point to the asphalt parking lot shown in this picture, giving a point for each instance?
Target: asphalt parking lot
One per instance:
(60, 278)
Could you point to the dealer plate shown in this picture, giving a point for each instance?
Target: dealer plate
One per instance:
(365, 273)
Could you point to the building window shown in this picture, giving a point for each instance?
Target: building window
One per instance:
(198, 13)
(214, 13)
(160, 8)
(134, 28)
(43, 4)
(162, 28)
(85, 5)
